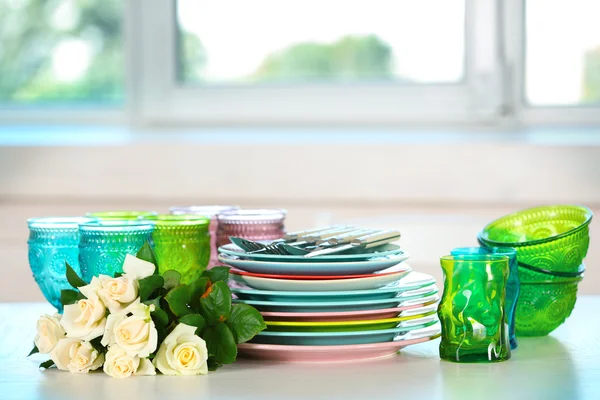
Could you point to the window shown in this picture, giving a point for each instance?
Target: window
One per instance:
(244, 42)
(467, 62)
(55, 52)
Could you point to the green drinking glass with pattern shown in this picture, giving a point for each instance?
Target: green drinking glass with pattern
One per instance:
(472, 311)
(181, 243)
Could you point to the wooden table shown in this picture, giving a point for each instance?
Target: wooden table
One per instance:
(564, 365)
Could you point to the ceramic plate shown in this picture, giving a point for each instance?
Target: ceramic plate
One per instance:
(337, 338)
(387, 271)
(359, 255)
(331, 354)
(314, 268)
(371, 282)
(414, 281)
(347, 326)
(405, 309)
(320, 306)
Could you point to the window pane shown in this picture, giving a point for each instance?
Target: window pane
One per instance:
(244, 42)
(562, 58)
(61, 51)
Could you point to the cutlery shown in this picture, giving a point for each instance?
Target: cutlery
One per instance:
(364, 242)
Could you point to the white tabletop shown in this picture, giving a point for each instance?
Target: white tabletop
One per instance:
(564, 365)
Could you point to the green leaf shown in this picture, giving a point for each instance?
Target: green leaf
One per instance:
(245, 322)
(148, 285)
(196, 320)
(33, 351)
(172, 279)
(118, 274)
(220, 343)
(216, 274)
(147, 254)
(215, 303)
(97, 345)
(68, 296)
(177, 299)
(73, 278)
(213, 365)
(160, 317)
(46, 364)
(197, 289)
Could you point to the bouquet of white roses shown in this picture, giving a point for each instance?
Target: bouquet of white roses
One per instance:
(138, 321)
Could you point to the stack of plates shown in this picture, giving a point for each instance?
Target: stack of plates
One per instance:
(334, 307)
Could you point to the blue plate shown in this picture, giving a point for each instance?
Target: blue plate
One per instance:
(352, 305)
(342, 338)
(358, 255)
(314, 268)
(419, 281)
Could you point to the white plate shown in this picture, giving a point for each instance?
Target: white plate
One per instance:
(314, 268)
(371, 282)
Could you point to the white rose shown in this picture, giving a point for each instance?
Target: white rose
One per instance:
(132, 329)
(85, 319)
(119, 364)
(137, 269)
(76, 356)
(49, 332)
(117, 293)
(182, 353)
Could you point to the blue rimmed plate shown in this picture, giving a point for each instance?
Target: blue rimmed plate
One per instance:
(352, 305)
(412, 282)
(314, 268)
(358, 255)
(343, 338)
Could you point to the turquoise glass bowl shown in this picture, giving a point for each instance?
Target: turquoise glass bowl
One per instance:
(512, 284)
(104, 245)
(552, 238)
(53, 241)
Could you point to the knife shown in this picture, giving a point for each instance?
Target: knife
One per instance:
(365, 242)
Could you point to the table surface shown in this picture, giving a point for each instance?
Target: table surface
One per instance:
(564, 365)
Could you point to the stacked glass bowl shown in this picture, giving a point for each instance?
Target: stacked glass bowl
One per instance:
(551, 243)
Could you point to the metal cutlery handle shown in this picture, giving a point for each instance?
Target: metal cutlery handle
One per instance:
(345, 237)
(291, 236)
(376, 238)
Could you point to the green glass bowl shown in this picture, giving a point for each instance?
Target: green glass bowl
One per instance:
(544, 306)
(554, 238)
(528, 275)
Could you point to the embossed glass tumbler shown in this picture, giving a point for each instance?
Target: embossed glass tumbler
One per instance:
(105, 243)
(472, 310)
(120, 215)
(181, 243)
(52, 242)
(513, 285)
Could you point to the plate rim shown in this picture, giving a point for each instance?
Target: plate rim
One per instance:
(402, 258)
(307, 324)
(237, 271)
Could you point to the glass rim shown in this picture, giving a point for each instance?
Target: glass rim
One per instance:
(250, 214)
(177, 220)
(116, 223)
(477, 257)
(507, 251)
(66, 222)
(119, 214)
(209, 210)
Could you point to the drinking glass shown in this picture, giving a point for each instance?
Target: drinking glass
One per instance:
(181, 243)
(472, 310)
(52, 242)
(251, 224)
(120, 215)
(208, 212)
(105, 243)
(513, 284)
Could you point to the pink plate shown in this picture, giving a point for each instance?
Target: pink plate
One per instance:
(327, 354)
(392, 270)
(346, 315)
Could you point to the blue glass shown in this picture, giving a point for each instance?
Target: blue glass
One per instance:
(52, 242)
(513, 285)
(104, 245)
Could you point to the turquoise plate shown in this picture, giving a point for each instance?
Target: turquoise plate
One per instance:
(342, 338)
(335, 305)
(313, 267)
(421, 281)
(358, 254)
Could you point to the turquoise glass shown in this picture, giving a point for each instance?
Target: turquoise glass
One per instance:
(513, 285)
(472, 309)
(52, 242)
(105, 243)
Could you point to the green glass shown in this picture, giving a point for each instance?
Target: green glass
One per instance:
(472, 310)
(181, 243)
(121, 215)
